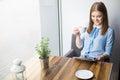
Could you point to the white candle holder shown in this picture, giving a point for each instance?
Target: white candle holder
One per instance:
(18, 70)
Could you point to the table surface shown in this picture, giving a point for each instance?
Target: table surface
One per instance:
(63, 68)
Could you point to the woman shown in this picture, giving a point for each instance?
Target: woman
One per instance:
(98, 40)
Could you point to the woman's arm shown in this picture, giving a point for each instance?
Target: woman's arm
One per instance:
(78, 39)
(109, 45)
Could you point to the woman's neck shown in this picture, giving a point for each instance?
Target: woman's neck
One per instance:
(98, 26)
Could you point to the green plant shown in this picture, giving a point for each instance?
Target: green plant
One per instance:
(42, 48)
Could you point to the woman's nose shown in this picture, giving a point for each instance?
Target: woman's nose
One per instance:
(95, 19)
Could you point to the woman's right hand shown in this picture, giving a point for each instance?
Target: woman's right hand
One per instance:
(76, 31)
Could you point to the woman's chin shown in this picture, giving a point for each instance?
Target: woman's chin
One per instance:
(97, 24)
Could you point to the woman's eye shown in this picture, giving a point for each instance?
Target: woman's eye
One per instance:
(99, 16)
(93, 16)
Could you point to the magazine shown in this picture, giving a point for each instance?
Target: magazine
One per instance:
(85, 58)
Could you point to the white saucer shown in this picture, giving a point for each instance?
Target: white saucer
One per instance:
(84, 74)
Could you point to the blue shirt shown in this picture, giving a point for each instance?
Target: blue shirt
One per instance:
(99, 45)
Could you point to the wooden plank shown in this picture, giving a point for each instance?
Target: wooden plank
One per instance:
(54, 69)
(61, 72)
(72, 68)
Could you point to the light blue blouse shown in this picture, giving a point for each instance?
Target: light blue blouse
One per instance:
(93, 46)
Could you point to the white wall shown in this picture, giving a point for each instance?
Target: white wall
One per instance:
(19, 31)
(49, 23)
(76, 13)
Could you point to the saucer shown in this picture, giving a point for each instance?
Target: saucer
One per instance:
(84, 74)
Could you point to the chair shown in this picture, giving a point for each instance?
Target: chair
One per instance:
(75, 52)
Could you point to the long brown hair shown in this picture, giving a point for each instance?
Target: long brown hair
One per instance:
(99, 6)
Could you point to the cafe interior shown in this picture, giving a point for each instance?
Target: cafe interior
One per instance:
(23, 24)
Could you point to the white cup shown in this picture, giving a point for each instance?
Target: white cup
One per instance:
(82, 29)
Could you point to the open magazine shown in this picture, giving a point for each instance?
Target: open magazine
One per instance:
(85, 58)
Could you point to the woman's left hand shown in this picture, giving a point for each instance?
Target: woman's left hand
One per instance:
(100, 58)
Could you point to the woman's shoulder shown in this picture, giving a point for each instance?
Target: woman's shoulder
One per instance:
(110, 29)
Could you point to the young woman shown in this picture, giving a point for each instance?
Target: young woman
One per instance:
(98, 40)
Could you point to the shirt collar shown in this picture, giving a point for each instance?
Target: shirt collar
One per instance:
(99, 27)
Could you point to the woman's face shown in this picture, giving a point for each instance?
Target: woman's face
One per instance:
(97, 17)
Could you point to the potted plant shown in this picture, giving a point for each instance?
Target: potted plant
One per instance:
(43, 51)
